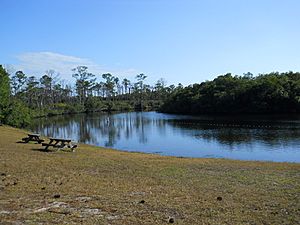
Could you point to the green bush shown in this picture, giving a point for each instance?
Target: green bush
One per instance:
(74, 108)
(93, 104)
(122, 106)
(18, 114)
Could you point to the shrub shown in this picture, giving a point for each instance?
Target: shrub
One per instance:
(18, 114)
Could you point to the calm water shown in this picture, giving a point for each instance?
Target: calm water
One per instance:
(246, 138)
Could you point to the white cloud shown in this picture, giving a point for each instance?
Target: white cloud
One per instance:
(36, 63)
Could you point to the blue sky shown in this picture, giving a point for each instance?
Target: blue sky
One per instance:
(182, 41)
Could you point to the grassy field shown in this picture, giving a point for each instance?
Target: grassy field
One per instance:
(102, 186)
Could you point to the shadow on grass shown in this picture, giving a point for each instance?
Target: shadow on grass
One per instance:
(49, 150)
(41, 150)
(23, 142)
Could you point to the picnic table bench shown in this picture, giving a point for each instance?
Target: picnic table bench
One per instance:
(59, 143)
(33, 137)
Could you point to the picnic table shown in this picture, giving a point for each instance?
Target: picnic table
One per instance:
(59, 143)
(33, 137)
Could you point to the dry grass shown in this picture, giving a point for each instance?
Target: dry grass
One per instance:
(103, 186)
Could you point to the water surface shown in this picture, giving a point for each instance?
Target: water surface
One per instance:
(267, 138)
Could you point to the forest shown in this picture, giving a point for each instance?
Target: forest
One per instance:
(24, 97)
(272, 93)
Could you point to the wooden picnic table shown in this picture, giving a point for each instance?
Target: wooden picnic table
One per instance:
(59, 143)
(33, 137)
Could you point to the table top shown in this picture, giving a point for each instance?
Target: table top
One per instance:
(60, 139)
(36, 135)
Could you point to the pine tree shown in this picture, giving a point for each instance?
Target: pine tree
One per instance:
(4, 92)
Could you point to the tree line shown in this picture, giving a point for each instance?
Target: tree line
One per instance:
(266, 93)
(24, 97)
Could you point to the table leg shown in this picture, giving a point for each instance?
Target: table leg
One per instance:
(63, 144)
(56, 144)
(28, 139)
(47, 146)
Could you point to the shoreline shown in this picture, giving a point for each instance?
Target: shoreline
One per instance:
(107, 186)
(158, 154)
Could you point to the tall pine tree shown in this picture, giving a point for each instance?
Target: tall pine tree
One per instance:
(4, 93)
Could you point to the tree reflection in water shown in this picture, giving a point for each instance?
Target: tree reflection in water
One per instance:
(240, 130)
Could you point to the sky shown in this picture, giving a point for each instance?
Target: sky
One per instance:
(186, 41)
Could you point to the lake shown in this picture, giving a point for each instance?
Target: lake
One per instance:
(267, 138)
